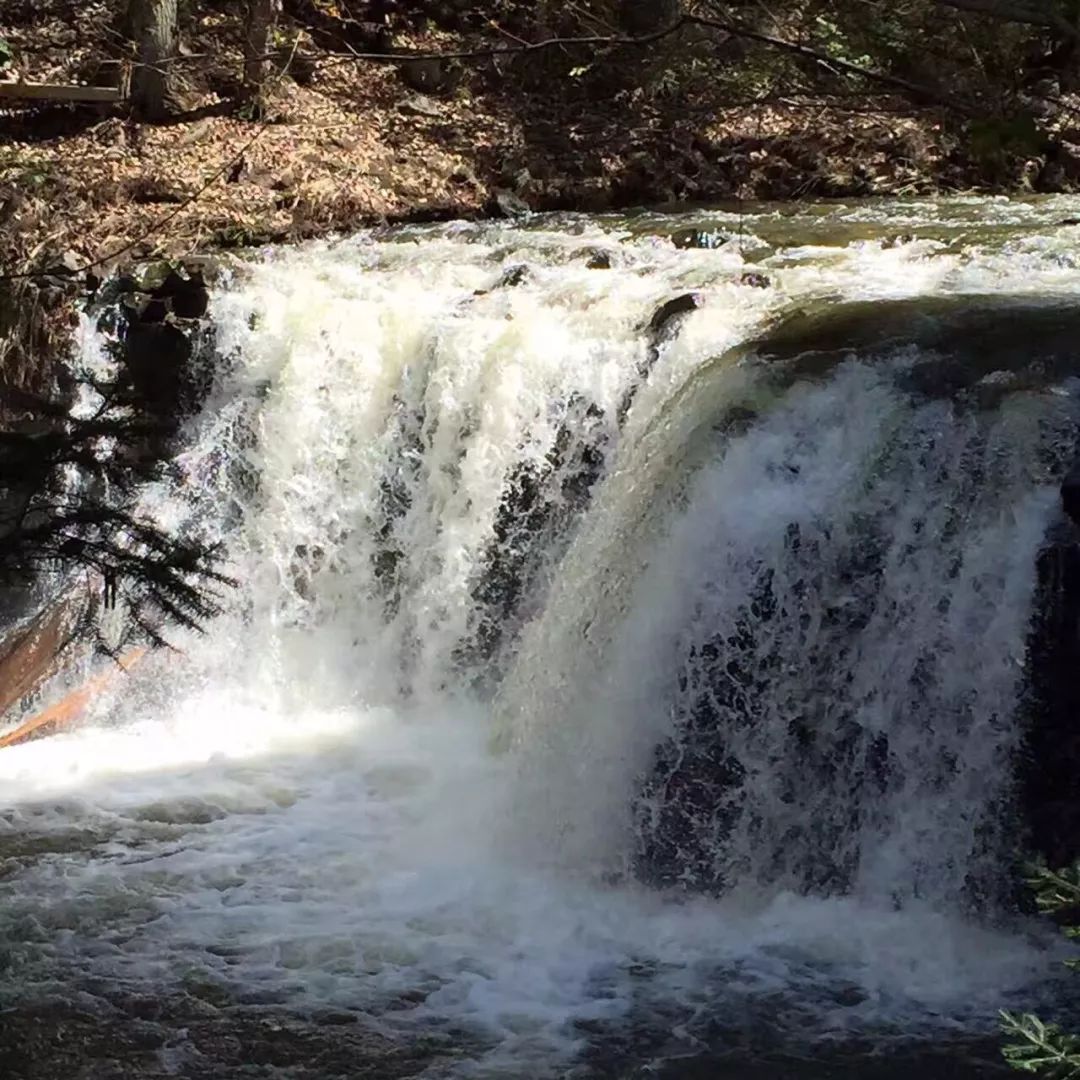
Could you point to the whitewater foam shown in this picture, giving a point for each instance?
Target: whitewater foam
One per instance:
(305, 809)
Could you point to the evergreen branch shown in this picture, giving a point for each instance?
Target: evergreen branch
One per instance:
(1040, 1048)
(54, 526)
(1055, 890)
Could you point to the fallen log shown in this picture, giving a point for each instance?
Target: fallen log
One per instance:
(59, 92)
(68, 709)
(33, 653)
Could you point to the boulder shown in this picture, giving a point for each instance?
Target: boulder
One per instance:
(679, 305)
(157, 359)
(510, 204)
(146, 277)
(418, 105)
(188, 298)
(203, 269)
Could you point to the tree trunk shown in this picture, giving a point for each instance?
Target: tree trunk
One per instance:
(153, 27)
(262, 17)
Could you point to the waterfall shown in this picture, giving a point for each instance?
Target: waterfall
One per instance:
(584, 667)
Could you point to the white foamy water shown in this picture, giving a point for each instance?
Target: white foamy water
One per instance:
(413, 772)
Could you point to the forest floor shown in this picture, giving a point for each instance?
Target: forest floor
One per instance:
(347, 142)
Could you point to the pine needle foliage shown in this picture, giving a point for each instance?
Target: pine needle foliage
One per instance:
(1040, 1048)
(1036, 1046)
(69, 503)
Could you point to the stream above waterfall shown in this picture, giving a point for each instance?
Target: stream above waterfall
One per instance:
(632, 671)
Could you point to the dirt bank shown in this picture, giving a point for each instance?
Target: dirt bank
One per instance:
(348, 142)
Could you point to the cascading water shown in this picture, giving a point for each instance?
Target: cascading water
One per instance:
(550, 738)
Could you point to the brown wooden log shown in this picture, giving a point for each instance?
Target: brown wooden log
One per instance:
(67, 710)
(59, 92)
(31, 654)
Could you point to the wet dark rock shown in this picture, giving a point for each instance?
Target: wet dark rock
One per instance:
(513, 276)
(191, 303)
(510, 204)
(203, 269)
(187, 298)
(50, 296)
(689, 802)
(657, 329)
(755, 280)
(147, 277)
(152, 311)
(1050, 776)
(596, 258)
(679, 305)
(538, 506)
(686, 239)
(728, 685)
(1070, 492)
(1068, 222)
(510, 278)
(848, 996)
(157, 359)
(335, 1018)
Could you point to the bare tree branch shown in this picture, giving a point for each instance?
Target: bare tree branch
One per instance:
(883, 78)
(592, 40)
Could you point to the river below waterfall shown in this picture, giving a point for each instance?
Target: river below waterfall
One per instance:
(612, 689)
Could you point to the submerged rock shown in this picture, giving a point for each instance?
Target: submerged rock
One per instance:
(511, 277)
(679, 305)
(657, 329)
(755, 280)
(687, 239)
(537, 506)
